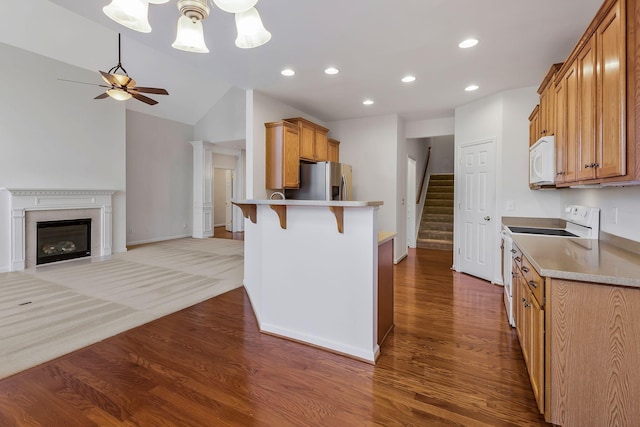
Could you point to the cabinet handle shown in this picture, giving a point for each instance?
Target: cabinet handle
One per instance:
(517, 259)
(595, 165)
(524, 299)
(527, 305)
(560, 173)
(525, 269)
(533, 284)
(513, 251)
(587, 166)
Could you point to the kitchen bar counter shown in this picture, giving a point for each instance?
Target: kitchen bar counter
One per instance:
(585, 260)
(312, 272)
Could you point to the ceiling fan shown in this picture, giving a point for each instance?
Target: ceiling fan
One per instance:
(122, 87)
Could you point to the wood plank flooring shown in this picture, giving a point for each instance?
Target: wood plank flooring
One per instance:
(451, 360)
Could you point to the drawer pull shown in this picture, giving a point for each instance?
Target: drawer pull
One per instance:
(525, 269)
(513, 251)
(533, 284)
(517, 259)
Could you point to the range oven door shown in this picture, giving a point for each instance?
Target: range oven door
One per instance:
(507, 247)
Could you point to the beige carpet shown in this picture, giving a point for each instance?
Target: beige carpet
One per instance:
(52, 310)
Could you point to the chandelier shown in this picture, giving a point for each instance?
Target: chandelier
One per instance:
(133, 14)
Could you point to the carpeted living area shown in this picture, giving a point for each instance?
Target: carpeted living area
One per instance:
(52, 310)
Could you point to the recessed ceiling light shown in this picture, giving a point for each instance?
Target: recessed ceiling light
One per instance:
(288, 72)
(331, 71)
(367, 102)
(408, 79)
(465, 44)
(471, 88)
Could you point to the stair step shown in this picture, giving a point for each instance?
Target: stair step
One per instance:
(432, 195)
(435, 244)
(438, 226)
(436, 235)
(441, 177)
(441, 210)
(430, 217)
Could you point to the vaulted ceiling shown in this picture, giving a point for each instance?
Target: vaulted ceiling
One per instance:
(374, 43)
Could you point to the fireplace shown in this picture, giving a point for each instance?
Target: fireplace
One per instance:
(63, 240)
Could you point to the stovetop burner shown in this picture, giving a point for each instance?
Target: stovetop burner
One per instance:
(542, 231)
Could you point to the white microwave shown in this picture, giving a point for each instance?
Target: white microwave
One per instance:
(542, 161)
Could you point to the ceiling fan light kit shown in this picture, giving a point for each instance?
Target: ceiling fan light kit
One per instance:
(133, 14)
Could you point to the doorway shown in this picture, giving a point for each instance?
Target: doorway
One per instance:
(222, 194)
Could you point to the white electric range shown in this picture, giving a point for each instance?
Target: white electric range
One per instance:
(582, 222)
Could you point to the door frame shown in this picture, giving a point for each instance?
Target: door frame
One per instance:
(411, 205)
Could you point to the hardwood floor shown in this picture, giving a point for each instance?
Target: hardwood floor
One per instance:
(221, 233)
(451, 360)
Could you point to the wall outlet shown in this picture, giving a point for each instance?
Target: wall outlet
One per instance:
(509, 205)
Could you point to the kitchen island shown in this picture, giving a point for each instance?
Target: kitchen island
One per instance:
(311, 272)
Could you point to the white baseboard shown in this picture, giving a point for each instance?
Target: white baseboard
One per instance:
(400, 258)
(219, 225)
(157, 239)
(5, 270)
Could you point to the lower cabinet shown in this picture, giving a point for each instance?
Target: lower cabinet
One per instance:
(530, 326)
(385, 289)
(581, 346)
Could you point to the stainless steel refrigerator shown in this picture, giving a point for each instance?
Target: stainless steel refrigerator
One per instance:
(323, 181)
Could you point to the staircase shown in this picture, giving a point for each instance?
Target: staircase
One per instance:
(436, 226)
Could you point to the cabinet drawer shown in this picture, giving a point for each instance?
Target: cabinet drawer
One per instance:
(533, 279)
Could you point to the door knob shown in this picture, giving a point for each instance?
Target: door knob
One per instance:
(487, 218)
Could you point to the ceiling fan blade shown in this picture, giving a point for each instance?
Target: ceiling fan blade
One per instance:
(109, 78)
(103, 95)
(84, 83)
(143, 98)
(155, 90)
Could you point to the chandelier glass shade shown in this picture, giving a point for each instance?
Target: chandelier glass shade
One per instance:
(251, 33)
(190, 36)
(235, 6)
(132, 14)
(119, 94)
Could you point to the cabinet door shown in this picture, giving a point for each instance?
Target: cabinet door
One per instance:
(291, 166)
(307, 138)
(534, 128)
(333, 150)
(547, 111)
(587, 110)
(611, 156)
(321, 152)
(536, 351)
(561, 131)
(570, 82)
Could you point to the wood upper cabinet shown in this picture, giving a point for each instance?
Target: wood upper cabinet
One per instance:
(547, 113)
(313, 140)
(600, 101)
(282, 156)
(612, 90)
(534, 125)
(567, 125)
(333, 150)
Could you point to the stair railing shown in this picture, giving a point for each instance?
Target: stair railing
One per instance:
(424, 176)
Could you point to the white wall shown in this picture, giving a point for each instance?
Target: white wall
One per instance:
(159, 178)
(225, 121)
(371, 145)
(54, 135)
(442, 154)
(428, 128)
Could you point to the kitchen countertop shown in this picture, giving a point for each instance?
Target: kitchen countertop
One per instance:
(585, 260)
(384, 236)
(336, 203)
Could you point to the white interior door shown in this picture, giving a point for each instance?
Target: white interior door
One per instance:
(411, 204)
(476, 209)
(228, 195)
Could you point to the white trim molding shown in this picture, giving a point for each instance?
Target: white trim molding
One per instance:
(23, 200)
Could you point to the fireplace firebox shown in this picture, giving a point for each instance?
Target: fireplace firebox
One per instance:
(63, 240)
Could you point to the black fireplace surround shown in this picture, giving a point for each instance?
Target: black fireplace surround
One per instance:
(63, 240)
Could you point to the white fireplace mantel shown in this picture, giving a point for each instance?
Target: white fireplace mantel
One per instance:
(23, 200)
